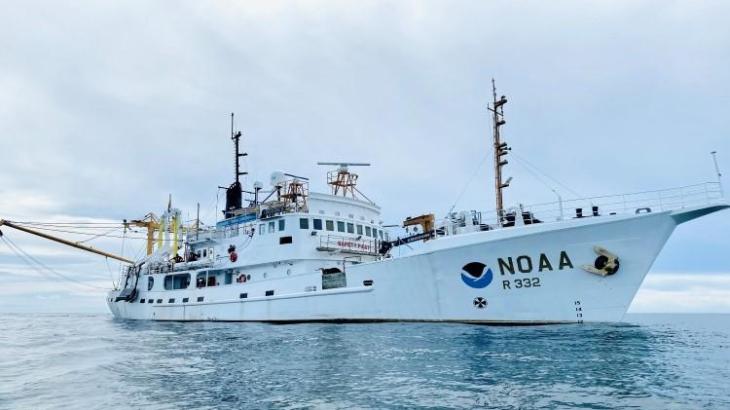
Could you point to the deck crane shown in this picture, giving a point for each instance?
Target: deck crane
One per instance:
(152, 223)
(76, 245)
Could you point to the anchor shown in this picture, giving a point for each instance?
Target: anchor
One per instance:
(606, 263)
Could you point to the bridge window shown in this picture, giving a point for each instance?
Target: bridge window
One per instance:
(180, 281)
(350, 228)
(200, 280)
(340, 226)
(150, 283)
(271, 227)
(141, 301)
(303, 223)
(281, 224)
(243, 295)
(359, 229)
(262, 229)
(171, 300)
(201, 298)
(159, 300)
(330, 226)
(375, 233)
(368, 231)
(269, 293)
(284, 240)
(185, 300)
(317, 224)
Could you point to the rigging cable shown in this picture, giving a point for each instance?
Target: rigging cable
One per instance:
(527, 164)
(536, 176)
(28, 259)
(79, 232)
(468, 182)
(105, 234)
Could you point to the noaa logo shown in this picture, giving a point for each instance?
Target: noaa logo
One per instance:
(474, 275)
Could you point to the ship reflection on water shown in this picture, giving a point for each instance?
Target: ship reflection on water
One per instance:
(409, 365)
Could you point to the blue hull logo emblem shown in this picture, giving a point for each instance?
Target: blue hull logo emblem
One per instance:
(474, 275)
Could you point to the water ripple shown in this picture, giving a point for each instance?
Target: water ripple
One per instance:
(67, 361)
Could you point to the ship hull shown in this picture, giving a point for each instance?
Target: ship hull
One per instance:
(535, 274)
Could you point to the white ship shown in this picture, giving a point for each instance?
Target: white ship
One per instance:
(289, 255)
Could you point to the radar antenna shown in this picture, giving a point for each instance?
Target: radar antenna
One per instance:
(501, 149)
(342, 180)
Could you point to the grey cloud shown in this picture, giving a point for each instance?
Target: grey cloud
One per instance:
(107, 108)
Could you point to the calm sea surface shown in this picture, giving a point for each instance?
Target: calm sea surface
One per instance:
(95, 362)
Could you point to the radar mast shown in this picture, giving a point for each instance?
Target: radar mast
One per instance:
(234, 193)
(501, 149)
(342, 180)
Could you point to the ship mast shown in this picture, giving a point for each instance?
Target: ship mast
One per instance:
(234, 193)
(236, 137)
(500, 150)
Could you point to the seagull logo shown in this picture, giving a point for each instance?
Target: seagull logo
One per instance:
(474, 276)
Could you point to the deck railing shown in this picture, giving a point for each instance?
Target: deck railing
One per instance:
(657, 200)
(707, 193)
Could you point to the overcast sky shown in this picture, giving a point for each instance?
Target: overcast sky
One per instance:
(106, 108)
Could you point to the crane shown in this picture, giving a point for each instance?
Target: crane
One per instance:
(152, 223)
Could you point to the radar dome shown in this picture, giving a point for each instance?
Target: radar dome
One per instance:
(277, 178)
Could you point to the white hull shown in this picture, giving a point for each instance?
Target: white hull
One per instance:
(427, 285)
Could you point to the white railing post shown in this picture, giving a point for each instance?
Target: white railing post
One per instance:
(719, 175)
(681, 196)
(560, 204)
(661, 206)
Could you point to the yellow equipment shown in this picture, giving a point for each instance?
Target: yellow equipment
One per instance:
(426, 221)
(152, 223)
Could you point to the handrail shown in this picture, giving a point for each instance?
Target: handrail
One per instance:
(656, 200)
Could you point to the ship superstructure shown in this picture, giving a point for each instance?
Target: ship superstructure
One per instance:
(284, 254)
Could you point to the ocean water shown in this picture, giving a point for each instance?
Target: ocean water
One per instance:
(96, 362)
